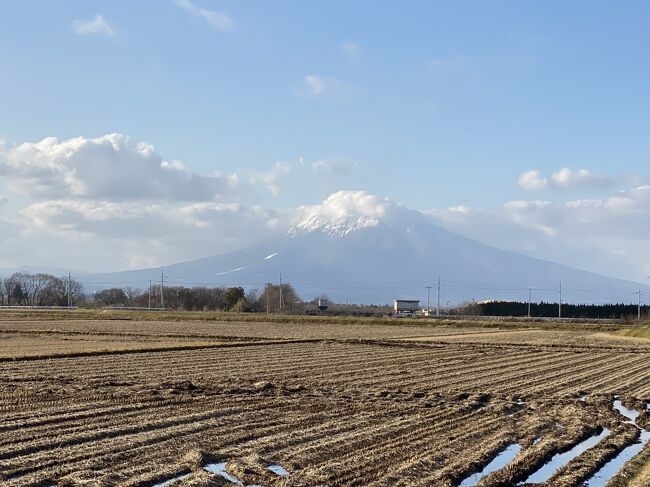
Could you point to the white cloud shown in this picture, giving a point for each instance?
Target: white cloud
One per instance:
(351, 51)
(219, 20)
(110, 202)
(96, 26)
(111, 166)
(604, 235)
(527, 214)
(271, 179)
(564, 179)
(110, 235)
(582, 178)
(532, 181)
(333, 167)
(317, 85)
(344, 204)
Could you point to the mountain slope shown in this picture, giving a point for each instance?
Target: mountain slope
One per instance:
(361, 248)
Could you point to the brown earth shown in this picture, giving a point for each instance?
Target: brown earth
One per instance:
(137, 402)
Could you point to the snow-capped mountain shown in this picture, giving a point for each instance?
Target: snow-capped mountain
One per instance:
(358, 247)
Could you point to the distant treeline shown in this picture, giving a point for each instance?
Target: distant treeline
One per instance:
(272, 298)
(543, 309)
(25, 289)
(203, 298)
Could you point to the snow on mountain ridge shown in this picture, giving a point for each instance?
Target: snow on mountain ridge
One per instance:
(334, 227)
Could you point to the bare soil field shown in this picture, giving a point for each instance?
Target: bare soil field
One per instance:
(234, 329)
(339, 403)
(20, 345)
(579, 338)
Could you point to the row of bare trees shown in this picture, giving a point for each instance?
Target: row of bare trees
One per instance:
(25, 289)
(272, 297)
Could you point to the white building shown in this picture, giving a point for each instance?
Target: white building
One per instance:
(405, 306)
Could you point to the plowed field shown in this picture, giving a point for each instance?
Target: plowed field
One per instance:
(129, 403)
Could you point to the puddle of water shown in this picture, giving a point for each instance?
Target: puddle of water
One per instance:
(607, 471)
(537, 440)
(500, 461)
(547, 470)
(278, 470)
(220, 469)
(630, 414)
(584, 397)
(171, 481)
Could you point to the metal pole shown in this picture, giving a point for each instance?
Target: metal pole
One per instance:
(438, 305)
(69, 286)
(428, 301)
(267, 298)
(149, 293)
(162, 292)
(559, 309)
(280, 292)
(638, 310)
(529, 295)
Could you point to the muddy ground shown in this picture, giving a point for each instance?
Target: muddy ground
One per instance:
(99, 402)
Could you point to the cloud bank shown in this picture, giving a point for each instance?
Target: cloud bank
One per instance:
(111, 166)
(565, 179)
(110, 202)
(604, 234)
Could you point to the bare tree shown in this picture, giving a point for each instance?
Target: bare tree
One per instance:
(111, 297)
(132, 295)
(271, 295)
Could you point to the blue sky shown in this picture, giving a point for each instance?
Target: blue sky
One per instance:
(432, 104)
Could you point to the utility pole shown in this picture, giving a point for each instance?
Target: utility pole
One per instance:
(530, 292)
(428, 300)
(438, 303)
(162, 287)
(267, 297)
(149, 293)
(69, 290)
(638, 309)
(559, 309)
(280, 292)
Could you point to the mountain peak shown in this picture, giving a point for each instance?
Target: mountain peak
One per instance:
(345, 212)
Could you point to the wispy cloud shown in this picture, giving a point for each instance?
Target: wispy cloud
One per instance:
(336, 167)
(351, 51)
(447, 64)
(271, 179)
(218, 20)
(318, 85)
(97, 26)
